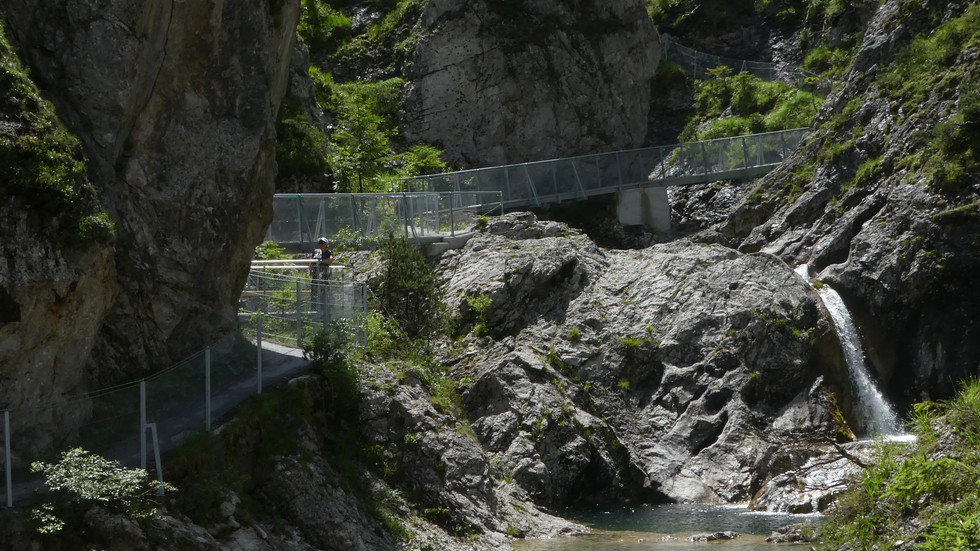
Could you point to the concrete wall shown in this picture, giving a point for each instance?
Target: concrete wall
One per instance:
(644, 207)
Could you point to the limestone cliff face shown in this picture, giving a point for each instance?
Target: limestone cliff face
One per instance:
(52, 301)
(495, 83)
(175, 103)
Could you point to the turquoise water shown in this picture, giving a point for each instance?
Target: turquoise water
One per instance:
(668, 527)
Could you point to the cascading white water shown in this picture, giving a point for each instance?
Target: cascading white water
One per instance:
(873, 414)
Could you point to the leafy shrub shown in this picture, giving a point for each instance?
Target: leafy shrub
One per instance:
(82, 479)
(269, 250)
(928, 489)
(631, 342)
(322, 27)
(479, 305)
(736, 105)
(328, 355)
(96, 227)
(828, 61)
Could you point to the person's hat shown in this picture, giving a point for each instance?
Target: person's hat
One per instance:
(322, 240)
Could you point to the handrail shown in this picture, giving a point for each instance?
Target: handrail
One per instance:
(299, 219)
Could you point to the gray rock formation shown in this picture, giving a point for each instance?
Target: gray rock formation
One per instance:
(674, 372)
(496, 83)
(54, 300)
(175, 105)
(434, 460)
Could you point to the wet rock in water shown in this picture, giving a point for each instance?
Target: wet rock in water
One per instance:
(716, 536)
(793, 533)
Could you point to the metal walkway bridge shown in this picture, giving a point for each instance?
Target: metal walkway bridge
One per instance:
(576, 178)
(437, 206)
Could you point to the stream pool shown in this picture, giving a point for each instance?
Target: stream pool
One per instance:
(669, 527)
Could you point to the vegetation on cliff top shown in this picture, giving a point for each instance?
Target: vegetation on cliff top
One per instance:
(734, 105)
(924, 497)
(41, 162)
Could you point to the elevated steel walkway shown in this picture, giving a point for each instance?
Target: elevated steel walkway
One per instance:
(576, 178)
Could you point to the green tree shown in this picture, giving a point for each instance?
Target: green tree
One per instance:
(409, 291)
(359, 147)
(361, 151)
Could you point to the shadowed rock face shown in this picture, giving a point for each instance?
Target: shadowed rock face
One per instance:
(175, 105)
(493, 83)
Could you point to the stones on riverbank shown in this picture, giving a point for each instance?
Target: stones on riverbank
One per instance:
(794, 533)
(715, 536)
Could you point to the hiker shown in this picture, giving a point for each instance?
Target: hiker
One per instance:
(320, 272)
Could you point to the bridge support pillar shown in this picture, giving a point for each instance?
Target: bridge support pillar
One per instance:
(644, 207)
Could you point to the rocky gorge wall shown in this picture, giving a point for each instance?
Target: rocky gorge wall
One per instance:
(682, 371)
(175, 105)
(874, 217)
(497, 83)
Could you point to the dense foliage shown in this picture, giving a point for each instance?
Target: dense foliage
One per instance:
(734, 105)
(358, 88)
(924, 497)
(409, 291)
(938, 66)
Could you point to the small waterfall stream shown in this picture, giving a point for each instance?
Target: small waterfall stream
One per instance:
(873, 414)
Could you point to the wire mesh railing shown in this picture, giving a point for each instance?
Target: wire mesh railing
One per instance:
(576, 178)
(300, 219)
(129, 421)
(697, 64)
(288, 304)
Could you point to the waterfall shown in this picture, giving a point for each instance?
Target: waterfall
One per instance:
(873, 414)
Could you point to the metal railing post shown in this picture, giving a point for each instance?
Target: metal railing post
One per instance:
(299, 220)
(663, 167)
(452, 215)
(258, 352)
(207, 389)
(578, 180)
(299, 315)
(598, 173)
(156, 456)
(143, 424)
(704, 157)
(364, 308)
(405, 211)
(6, 454)
(619, 169)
